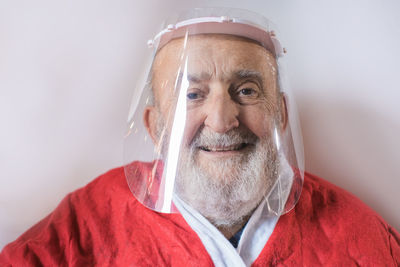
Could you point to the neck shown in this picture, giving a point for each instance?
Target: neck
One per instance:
(229, 231)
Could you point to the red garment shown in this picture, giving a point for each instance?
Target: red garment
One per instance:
(103, 224)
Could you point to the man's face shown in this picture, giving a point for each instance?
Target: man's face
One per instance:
(231, 80)
(232, 102)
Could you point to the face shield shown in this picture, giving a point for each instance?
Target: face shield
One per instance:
(213, 122)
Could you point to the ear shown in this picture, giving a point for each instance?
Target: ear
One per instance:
(150, 118)
(283, 111)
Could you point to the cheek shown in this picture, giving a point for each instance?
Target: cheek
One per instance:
(257, 119)
(194, 120)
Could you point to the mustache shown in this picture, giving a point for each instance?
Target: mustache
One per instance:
(208, 138)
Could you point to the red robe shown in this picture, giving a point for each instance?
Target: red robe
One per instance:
(103, 224)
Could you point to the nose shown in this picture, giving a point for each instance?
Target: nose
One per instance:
(222, 113)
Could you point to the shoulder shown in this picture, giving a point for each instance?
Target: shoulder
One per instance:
(334, 208)
(343, 223)
(110, 186)
(103, 222)
(75, 226)
(327, 200)
(331, 227)
(109, 190)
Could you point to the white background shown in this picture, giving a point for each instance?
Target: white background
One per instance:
(68, 68)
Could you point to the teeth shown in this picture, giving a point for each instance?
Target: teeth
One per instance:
(221, 149)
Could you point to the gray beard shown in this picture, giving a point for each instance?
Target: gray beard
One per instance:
(225, 191)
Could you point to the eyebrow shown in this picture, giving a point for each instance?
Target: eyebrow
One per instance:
(245, 74)
(249, 74)
(204, 76)
(238, 75)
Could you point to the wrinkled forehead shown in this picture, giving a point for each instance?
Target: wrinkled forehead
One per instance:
(212, 56)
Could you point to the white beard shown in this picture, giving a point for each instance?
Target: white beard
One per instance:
(227, 190)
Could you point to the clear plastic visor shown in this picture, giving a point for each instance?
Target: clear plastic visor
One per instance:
(213, 127)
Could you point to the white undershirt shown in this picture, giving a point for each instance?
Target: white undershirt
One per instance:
(253, 239)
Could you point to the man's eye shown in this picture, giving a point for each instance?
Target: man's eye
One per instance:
(247, 91)
(193, 96)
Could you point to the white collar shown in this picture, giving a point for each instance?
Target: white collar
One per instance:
(254, 237)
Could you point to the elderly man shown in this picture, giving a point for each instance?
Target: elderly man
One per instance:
(219, 180)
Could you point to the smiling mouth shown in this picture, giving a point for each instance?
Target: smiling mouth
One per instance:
(230, 148)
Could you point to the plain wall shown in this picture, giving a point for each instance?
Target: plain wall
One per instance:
(68, 68)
